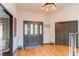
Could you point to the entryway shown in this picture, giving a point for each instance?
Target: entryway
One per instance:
(33, 34)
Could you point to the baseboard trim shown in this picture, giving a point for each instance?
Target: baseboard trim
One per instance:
(19, 47)
(14, 52)
(48, 43)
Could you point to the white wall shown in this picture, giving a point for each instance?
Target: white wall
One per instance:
(31, 16)
(11, 7)
(68, 13)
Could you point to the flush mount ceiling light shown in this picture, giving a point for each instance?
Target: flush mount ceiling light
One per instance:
(49, 6)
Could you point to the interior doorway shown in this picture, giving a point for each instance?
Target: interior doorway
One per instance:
(33, 33)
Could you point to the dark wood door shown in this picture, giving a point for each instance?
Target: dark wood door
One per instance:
(67, 31)
(62, 30)
(33, 33)
(70, 27)
(59, 30)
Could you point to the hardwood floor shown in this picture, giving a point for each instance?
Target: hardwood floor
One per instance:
(45, 50)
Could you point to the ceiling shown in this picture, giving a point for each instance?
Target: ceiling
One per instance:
(37, 7)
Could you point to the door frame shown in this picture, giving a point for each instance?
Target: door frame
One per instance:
(32, 22)
(11, 28)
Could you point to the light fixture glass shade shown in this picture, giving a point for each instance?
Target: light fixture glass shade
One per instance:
(49, 6)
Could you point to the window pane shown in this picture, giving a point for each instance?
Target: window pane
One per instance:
(36, 29)
(0, 30)
(26, 29)
(40, 29)
(31, 28)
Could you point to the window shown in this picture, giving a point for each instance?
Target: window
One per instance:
(36, 29)
(31, 29)
(25, 29)
(40, 29)
(0, 30)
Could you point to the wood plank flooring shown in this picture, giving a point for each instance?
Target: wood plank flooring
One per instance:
(44, 50)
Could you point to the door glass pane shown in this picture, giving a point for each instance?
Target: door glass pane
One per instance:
(36, 29)
(40, 29)
(31, 29)
(25, 29)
